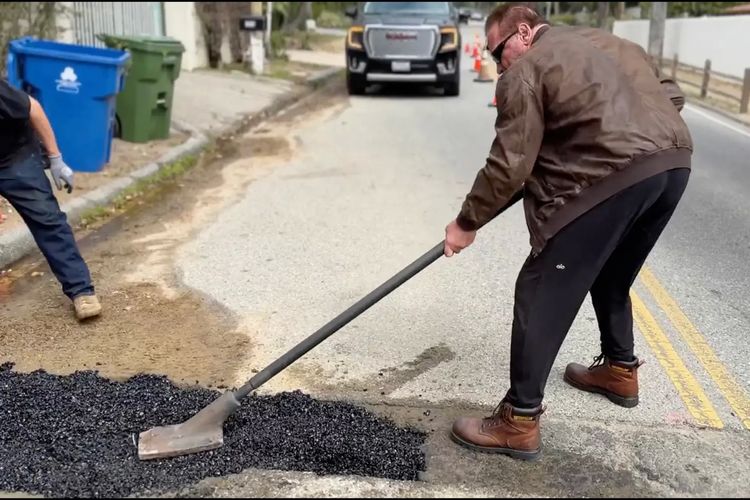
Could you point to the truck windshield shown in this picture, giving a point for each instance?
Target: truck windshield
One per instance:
(407, 8)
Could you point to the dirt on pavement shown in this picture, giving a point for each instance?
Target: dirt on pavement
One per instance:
(151, 323)
(127, 157)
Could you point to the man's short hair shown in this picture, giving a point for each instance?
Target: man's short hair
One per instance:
(510, 15)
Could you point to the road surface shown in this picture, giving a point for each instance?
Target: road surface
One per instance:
(372, 188)
(312, 212)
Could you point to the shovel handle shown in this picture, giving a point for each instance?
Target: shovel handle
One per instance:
(341, 320)
(345, 317)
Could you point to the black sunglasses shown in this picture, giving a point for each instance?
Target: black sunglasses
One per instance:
(497, 54)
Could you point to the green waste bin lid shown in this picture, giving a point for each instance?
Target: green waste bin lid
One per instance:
(146, 43)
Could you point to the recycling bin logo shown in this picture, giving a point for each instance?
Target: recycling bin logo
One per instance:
(68, 81)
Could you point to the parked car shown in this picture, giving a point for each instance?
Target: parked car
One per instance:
(403, 42)
(463, 15)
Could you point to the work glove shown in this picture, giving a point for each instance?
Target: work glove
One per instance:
(61, 173)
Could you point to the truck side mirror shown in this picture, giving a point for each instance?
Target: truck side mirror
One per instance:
(351, 12)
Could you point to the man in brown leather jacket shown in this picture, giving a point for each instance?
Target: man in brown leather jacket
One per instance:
(591, 133)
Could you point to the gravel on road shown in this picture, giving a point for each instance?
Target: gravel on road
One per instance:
(76, 435)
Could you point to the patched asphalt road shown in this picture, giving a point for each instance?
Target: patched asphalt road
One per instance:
(373, 186)
(75, 436)
(314, 214)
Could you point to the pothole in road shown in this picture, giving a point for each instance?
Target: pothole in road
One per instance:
(75, 436)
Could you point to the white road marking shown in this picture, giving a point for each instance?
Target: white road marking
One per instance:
(714, 119)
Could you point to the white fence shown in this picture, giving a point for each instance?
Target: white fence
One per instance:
(723, 40)
(85, 20)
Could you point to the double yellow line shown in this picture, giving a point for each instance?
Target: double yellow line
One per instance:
(687, 385)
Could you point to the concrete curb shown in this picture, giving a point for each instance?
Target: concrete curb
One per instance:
(18, 243)
(322, 77)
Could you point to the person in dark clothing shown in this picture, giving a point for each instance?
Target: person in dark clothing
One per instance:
(591, 133)
(23, 182)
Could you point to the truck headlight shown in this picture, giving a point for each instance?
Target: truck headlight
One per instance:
(355, 36)
(448, 38)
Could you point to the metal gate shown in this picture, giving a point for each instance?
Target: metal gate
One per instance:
(89, 19)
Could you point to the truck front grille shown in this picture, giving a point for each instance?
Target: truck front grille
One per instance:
(401, 42)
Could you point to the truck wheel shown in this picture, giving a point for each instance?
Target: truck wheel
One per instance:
(453, 88)
(355, 84)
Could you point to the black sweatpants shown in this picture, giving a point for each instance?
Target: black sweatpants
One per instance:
(600, 252)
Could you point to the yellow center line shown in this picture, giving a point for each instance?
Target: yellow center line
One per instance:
(733, 392)
(687, 386)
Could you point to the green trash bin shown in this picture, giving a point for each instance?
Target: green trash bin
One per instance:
(144, 107)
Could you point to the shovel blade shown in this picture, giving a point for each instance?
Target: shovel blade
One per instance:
(177, 440)
(203, 432)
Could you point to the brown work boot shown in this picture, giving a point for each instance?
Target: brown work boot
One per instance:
(616, 380)
(86, 306)
(510, 431)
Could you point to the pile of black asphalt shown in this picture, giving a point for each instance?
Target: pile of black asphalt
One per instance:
(76, 435)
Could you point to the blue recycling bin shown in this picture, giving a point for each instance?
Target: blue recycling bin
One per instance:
(77, 86)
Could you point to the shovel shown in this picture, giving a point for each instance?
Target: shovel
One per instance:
(205, 430)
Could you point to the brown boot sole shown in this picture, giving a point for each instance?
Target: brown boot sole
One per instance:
(519, 454)
(626, 402)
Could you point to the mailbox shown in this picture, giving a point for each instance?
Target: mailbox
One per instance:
(254, 23)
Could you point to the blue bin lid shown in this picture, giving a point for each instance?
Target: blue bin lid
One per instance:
(69, 51)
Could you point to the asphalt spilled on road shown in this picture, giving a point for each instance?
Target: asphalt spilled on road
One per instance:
(76, 435)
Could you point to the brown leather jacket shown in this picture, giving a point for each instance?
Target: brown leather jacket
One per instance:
(581, 116)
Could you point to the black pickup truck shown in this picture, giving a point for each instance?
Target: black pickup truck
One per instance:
(403, 42)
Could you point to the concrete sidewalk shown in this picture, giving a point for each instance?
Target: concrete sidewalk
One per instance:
(318, 57)
(207, 103)
(210, 101)
(331, 31)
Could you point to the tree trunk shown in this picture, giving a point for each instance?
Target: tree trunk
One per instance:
(304, 14)
(602, 11)
(210, 21)
(619, 10)
(658, 17)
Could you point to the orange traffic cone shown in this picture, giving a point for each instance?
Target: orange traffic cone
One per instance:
(467, 48)
(476, 50)
(477, 64)
(485, 73)
(493, 103)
